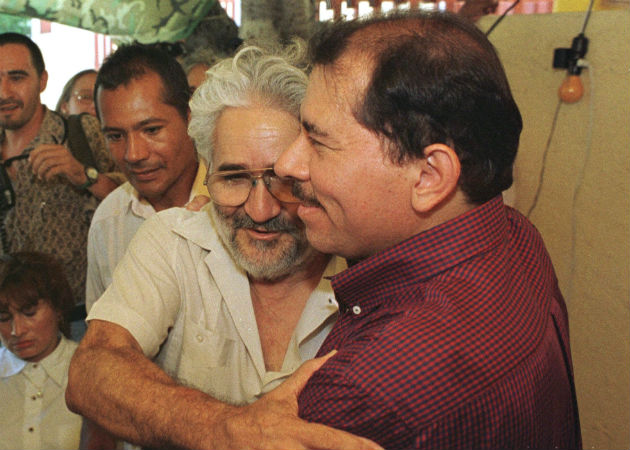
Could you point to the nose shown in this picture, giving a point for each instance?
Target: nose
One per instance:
(293, 161)
(135, 150)
(92, 109)
(261, 206)
(17, 325)
(4, 86)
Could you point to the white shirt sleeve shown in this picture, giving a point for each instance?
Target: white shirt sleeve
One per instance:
(144, 296)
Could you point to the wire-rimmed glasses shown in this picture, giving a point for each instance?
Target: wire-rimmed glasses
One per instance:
(232, 187)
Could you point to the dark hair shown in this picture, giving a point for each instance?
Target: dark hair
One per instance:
(36, 54)
(436, 79)
(66, 93)
(133, 61)
(26, 277)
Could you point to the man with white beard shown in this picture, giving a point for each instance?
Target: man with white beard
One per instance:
(225, 315)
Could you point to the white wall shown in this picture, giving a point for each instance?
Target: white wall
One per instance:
(67, 50)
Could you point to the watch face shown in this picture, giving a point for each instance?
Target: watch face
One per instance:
(91, 173)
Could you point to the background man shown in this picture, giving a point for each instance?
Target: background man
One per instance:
(453, 332)
(142, 100)
(225, 314)
(56, 194)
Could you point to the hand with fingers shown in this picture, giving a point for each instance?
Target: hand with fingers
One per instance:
(52, 160)
(197, 203)
(272, 422)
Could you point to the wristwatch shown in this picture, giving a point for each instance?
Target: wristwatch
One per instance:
(92, 176)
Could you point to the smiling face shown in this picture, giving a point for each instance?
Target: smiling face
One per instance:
(149, 141)
(30, 331)
(264, 235)
(20, 86)
(356, 201)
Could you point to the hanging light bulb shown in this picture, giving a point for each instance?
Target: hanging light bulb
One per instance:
(571, 89)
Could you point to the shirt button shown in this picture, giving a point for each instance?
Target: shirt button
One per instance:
(33, 397)
(199, 338)
(356, 310)
(31, 429)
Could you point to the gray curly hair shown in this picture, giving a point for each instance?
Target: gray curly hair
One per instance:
(268, 76)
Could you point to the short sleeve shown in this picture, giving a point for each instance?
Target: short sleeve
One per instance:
(144, 296)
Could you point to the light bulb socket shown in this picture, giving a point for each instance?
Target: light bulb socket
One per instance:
(568, 58)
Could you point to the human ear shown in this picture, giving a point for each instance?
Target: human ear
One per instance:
(436, 178)
(43, 81)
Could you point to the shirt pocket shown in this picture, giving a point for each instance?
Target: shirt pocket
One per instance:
(205, 358)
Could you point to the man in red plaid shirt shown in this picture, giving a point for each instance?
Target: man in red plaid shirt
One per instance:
(453, 333)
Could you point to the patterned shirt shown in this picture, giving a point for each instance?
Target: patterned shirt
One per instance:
(456, 338)
(54, 216)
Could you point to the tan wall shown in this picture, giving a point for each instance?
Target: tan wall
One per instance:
(583, 207)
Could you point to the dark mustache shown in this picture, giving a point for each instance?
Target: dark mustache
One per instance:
(307, 200)
(10, 101)
(278, 223)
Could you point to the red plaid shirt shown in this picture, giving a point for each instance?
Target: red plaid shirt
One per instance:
(456, 338)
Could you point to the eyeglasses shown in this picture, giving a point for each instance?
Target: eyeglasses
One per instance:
(85, 97)
(232, 187)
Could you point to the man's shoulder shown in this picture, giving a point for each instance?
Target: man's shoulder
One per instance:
(181, 220)
(195, 227)
(169, 219)
(53, 124)
(115, 203)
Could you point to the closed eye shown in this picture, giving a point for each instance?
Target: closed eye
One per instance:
(29, 311)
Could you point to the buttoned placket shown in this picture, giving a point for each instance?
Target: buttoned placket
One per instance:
(34, 402)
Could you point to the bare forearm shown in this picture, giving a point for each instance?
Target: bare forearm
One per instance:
(94, 437)
(132, 398)
(113, 384)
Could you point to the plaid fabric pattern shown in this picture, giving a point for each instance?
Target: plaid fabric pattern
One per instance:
(454, 339)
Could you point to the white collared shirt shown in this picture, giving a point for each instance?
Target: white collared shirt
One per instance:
(33, 411)
(180, 294)
(114, 224)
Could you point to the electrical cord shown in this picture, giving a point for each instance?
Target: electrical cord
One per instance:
(501, 17)
(581, 174)
(541, 176)
(587, 17)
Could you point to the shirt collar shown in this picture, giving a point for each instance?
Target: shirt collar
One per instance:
(422, 256)
(321, 303)
(142, 208)
(9, 363)
(51, 131)
(53, 364)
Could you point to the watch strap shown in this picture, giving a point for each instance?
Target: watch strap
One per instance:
(90, 180)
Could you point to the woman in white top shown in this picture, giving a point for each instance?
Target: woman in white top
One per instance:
(35, 300)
